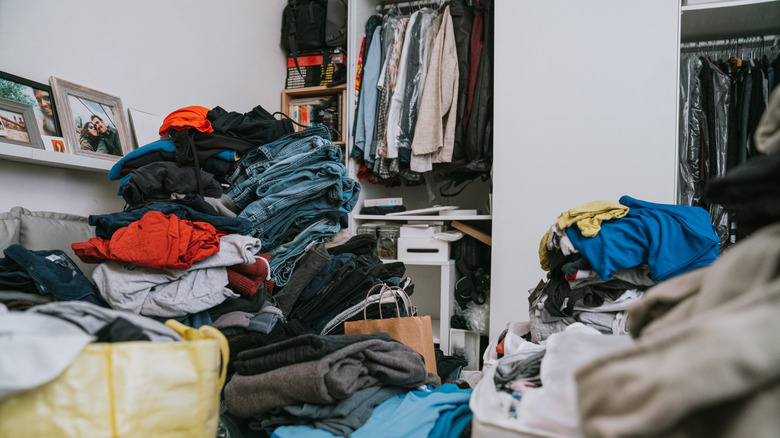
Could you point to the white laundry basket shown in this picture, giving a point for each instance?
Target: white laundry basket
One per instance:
(551, 410)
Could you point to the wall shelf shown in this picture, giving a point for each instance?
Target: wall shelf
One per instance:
(433, 217)
(43, 157)
(320, 91)
(729, 19)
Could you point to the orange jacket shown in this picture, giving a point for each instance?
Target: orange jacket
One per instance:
(187, 117)
(156, 240)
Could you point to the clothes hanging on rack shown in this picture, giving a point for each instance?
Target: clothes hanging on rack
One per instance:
(723, 95)
(446, 55)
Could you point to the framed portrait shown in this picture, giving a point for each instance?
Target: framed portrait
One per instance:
(36, 94)
(18, 125)
(93, 123)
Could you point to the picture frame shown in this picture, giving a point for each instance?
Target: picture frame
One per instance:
(36, 94)
(82, 111)
(18, 125)
(145, 126)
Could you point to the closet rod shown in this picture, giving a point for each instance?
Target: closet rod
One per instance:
(768, 40)
(406, 4)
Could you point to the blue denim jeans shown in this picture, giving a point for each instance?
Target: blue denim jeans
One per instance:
(284, 257)
(310, 193)
(261, 158)
(245, 188)
(53, 273)
(308, 181)
(325, 275)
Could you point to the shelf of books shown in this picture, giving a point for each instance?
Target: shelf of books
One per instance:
(325, 105)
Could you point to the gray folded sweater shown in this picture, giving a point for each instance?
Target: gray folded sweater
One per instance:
(335, 377)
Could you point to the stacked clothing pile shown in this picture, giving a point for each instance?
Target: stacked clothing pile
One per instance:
(237, 222)
(330, 382)
(603, 255)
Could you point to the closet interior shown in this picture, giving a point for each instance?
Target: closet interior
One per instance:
(728, 69)
(424, 94)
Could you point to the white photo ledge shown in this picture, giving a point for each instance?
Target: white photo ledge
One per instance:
(55, 159)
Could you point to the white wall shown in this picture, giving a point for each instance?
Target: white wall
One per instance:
(157, 56)
(585, 110)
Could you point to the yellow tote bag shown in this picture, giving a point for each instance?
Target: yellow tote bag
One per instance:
(128, 389)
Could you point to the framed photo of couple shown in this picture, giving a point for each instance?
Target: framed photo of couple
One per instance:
(28, 115)
(93, 123)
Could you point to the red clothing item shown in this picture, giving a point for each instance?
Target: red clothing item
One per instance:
(156, 240)
(245, 280)
(187, 117)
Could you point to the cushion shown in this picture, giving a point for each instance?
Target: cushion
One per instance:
(43, 230)
(10, 226)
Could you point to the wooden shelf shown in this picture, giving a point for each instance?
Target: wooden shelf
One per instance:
(293, 93)
(473, 232)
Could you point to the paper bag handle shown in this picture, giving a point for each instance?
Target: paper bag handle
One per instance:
(204, 332)
(385, 288)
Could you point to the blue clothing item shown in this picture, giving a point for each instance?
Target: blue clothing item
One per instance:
(264, 322)
(317, 187)
(122, 183)
(671, 239)
(286, 227)
(107, 224)
(261, 156)
(324, 275)
(163, 144)
(52, 271)
(452, 422)
(301, 432)
(308, 179)
(194, 320)
(366, 117)
(284, 257)
(415, 414)
(248, 175)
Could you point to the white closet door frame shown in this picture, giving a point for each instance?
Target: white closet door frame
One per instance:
(585, 110)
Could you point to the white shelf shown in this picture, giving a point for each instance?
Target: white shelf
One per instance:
(422, 262)
(729, 19)
(436, 328)
(373, 217)
(43, 157)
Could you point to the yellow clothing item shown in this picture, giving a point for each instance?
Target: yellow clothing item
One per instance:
(588, 217)
(544, 255)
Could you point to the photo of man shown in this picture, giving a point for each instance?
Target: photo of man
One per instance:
(95, 124)
(44, 113)
(36, 95)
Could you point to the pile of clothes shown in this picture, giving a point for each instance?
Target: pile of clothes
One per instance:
(603, 255)
(237, 222)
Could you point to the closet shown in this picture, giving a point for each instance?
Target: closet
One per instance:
(587, 109)
(434, 280)
(725, 82)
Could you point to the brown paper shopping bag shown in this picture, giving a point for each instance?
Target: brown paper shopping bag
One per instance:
(413, 331)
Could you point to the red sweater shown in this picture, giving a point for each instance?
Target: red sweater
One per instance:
(156, 240)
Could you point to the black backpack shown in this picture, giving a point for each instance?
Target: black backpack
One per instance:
(313, 25)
